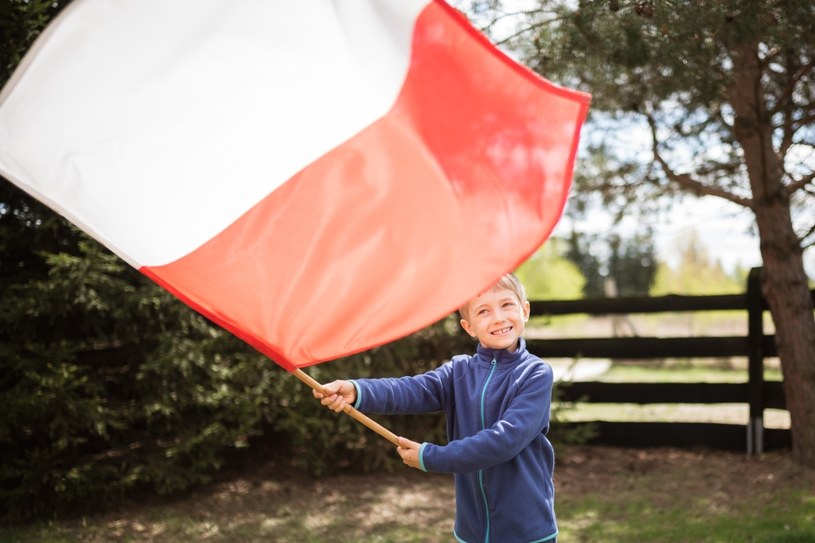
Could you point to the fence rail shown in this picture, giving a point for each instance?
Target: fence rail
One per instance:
(755, 392)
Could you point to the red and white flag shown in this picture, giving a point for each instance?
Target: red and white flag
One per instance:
(319, 177)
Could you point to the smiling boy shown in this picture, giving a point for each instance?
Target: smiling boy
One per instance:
(496, 403)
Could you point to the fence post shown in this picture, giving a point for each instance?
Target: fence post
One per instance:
(755, 371)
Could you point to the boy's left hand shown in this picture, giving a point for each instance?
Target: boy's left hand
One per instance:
(409, 451)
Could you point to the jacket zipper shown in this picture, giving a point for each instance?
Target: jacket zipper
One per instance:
(481, 471)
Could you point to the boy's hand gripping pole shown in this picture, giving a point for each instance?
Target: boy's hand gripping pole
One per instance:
(350, 411)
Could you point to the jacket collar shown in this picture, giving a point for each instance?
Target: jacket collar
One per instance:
(501, 356)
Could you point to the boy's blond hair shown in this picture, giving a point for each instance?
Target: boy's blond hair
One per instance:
(507, 281)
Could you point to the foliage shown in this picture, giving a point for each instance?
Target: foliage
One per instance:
(548, 275)
(110, 385)
(614, 266)
(696, 273)
(21, 21)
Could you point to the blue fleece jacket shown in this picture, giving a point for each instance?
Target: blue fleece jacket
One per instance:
(496, 405)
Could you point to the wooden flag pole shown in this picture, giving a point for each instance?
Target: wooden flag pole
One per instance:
(350, 411)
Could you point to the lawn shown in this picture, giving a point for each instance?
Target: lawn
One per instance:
(604, 494)
(668, 495)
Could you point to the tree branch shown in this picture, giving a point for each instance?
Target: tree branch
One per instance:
(805, 120)
(527, 28)
(801, 183)
(795, 72)
(687, 182)
(805, 240)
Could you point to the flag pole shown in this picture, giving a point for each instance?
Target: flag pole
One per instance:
(350, 411)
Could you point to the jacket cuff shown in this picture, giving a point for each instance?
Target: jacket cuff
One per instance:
(358, 401)
(421, 457)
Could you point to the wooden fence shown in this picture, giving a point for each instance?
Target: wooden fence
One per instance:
(755, 391)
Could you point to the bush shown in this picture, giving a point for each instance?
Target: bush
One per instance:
(109, 385)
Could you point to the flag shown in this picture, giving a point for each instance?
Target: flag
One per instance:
(318, 177)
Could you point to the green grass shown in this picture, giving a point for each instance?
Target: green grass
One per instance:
(183, 529)
(789, 517)
(591, 518)
(604, 494)
(681, 372)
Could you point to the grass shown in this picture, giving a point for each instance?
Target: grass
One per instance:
(789, 516)
(604, 494)
(672, 496)
(697, 371)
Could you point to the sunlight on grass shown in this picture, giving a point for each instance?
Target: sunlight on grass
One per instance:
(675, 374)
(702, 413)
(788, 517)
(703, 371)
(604, 494)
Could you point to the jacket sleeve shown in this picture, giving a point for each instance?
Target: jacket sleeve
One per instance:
(424, 393)
(525, 419)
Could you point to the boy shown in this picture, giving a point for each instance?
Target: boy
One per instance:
(496, 404)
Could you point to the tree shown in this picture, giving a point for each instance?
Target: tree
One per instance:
(548, 275)
(629, 263)
(724, 92)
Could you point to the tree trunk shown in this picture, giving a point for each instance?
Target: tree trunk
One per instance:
(784, 281)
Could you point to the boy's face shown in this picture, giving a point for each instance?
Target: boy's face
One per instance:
(497, 319)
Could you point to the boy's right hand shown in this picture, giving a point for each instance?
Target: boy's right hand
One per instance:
(337, 395)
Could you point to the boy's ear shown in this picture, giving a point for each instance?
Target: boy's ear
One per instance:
(467, 328)
(526, 310)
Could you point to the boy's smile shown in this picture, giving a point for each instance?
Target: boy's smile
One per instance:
(497, 319)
